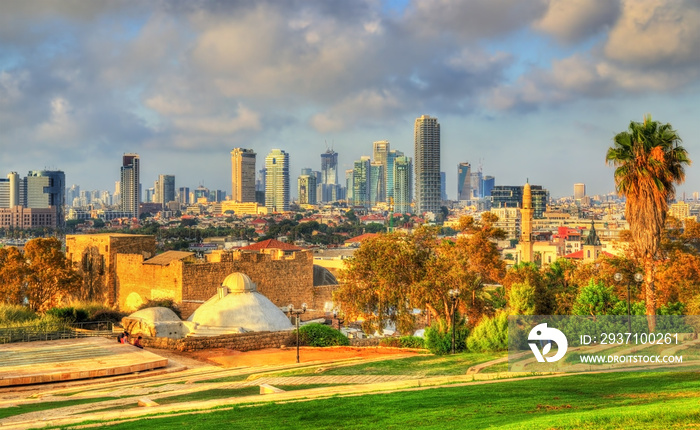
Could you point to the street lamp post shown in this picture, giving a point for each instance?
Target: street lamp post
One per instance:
(454, 295)
(296, 312)
(638, 277)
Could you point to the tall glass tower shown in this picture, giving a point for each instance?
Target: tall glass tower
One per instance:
(277, 181)
(427, 164)
(329, 176)
(129, 187)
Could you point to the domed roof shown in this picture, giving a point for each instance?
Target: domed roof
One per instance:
(242, 307)
(156, 314)
(238, 283)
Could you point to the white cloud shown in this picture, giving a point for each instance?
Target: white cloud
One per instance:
(573, 20)
(656, 33)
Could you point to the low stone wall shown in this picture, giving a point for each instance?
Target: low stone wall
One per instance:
(365, 342)
(237, 341)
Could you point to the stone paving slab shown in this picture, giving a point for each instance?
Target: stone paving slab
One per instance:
(70, 359)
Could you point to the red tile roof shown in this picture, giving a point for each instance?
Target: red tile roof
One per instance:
(271, 244)
(361, 237)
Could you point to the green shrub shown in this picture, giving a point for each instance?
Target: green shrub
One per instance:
(491, 334)
(163, 303)
(107, 315)
(11, 314)
(69, 313)
(403, 342)
(438, 337)
(316, 334)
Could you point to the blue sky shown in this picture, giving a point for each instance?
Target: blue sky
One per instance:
(527, 88)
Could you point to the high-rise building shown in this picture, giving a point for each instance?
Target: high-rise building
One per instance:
(464, 183)
(42, 189)
(9, 191)
(507, 196)
(150, 194)
(306, 186)
(427, 164)
(579, 191)
(391, 157)
(489, 182)
(381, 150)
(243, 175)
(130, 186)
(329, 176)
(201, 192)
(165, 189)
(477, 185)
(443, 186)
(526, 223)
(360, 182)
(277, 181)
(350, 186)
(183, 195)
(403, 184)
(376, 183)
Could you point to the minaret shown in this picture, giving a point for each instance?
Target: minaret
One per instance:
(526, 225)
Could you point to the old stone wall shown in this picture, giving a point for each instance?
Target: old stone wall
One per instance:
(108, 246)
(282, 279)
(237, 342)
(138, 282)
(374, 341)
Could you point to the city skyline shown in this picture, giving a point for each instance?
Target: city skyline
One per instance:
(526, 89)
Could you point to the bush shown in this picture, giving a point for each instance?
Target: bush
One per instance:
(69, 314)
(110, 315)
(403, 342)
(491, 334)
(316, 334)
(162, 303)
(438, 337)
(12, 314)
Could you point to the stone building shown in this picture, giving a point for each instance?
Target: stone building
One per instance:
(132, 275)
(95, 255)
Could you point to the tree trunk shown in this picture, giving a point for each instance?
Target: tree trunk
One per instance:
(650, 292)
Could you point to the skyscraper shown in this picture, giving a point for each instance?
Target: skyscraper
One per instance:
(489, 183)
(579, 191)
(427, 164)
(165, 189)
(376, 183)
(242, 175)
(306, 186)
(329, 176)
(45, 188)
(360, 182)
(129, 186)
(381, 150)
(277, 181)
(391, 157)
(403, 180)
(464, 183)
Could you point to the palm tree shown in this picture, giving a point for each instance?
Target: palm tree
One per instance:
(649, 161)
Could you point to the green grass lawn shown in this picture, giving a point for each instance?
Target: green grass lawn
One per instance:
(420, 365)
(43, 406)
(612, 400)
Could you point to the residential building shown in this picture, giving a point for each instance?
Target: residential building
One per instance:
(306, 186)
(277, 181)
(129, 186)
(243, 175)
(403, 184)
(427, 164)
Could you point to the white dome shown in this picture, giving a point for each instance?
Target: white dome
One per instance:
(241, 308)
(156, 314)
(238, 283)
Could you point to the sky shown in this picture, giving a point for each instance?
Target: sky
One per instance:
(530, 90)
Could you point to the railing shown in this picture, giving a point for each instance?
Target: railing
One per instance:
(72, 331)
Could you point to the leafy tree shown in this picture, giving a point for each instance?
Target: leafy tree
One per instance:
(521, 299)
(491, 334)
(595, 299)
(374, 227)
(13, 272)
(649, 161)
(51, 277)
(559, 278)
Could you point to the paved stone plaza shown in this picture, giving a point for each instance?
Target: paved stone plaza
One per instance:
(71, 359)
